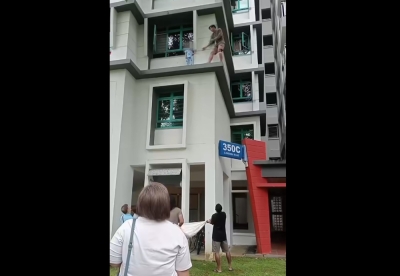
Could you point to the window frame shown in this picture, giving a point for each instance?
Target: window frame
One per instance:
(241, 83)
(241, 37)
(171, 99)
(167, 33)
(238, 9)
(277, 131)
(242, 132)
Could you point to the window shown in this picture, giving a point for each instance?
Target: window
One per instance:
(239, 5)
(271, 99)
(170, 110)
(267, 40)
(269, 68)
(170, 41)
(277, 215)
(241, 91)
(266, 14)
(240, 203)
(240, 44)
(238, 133)
(273, 131)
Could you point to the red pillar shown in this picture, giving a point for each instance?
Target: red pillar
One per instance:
(256, 150)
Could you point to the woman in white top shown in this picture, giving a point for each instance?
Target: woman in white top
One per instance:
(160, 248)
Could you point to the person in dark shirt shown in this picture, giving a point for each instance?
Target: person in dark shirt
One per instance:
(219, 237)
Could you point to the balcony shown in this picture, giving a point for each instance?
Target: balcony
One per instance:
(268, 54)
(266, 27)
(269, 83)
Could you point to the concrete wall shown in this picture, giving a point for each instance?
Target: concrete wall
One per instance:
(223, 132)
(265, 4)
(173, 4)
(129, 40)
(268, 54)
(266, 27)
(121, 149)
(269, 83)
(201, 136)
(273, 148)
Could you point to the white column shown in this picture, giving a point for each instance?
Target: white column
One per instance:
(123, 195)
(113, 27)
(209, 190)
(145, 36)
(185, 191)
(255, 91)
(195, 30)
(254, 52)
(146, 174)
(228, 208)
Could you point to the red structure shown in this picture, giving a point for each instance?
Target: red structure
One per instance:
(259, 194)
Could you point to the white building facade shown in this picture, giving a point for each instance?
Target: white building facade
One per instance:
(167, 117)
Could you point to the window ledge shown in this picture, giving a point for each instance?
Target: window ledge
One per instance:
(163, 147)
(277, 138)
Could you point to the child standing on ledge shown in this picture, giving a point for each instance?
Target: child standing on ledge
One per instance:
(188, 49)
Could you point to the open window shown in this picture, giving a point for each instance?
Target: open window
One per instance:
(238, 133)
(267, 40)
(241, 42)
(266, 14)
(171, 41)
(271, 99)
(269, 68)
(170, 109)
(241, 91)
(273, 131)
(240, 6)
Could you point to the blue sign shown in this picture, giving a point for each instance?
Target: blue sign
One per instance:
(230, 150)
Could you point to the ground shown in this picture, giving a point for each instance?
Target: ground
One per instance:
(241, 266)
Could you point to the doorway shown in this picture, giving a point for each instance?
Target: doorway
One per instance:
(239, 204)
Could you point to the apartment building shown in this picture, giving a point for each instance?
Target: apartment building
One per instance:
(273, 13)
(167, 116)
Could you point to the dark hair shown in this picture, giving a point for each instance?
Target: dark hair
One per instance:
(212, 26)
(218, 208)
(153, 202)
(172, 202)
(124, 208)
(133, 208)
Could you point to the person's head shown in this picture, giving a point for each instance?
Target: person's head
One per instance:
(133, 209)
(172, 202)
(153, 202)
(125, 209)
(218, 208)
(212, 28)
